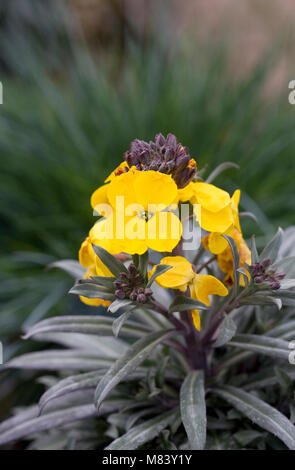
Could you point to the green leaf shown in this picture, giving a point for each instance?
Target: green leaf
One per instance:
(118, 322)
(36, 424)
(119, 303)
(254, 252)
(181, 303)
(236, 260)
(227, 330)
(193, 409)
(144, 432)
(143, 263)
(91, 291)
(60, 359)
(106, 281)
(260, 299)
(287, 284)
(220, 169)
(250, 215)
(286, 265)
(86, 324)
(135, 355)
(260, 413)
(160, 269)
(112, 263)
(70, 266)
(273, 347)
(272, 248)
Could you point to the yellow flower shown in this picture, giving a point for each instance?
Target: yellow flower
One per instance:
(225, 259)
(216, 213)
(215, 242)
(182, 276)
(138, 219)
(88, 259)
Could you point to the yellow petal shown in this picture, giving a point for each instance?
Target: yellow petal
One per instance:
(204, 285)
(103, 234)
(121, 168)
(86, 254)
(217, 243)
(123, 186)
(186, 193)
(163, 231)
(143, 188)
(235, 204)
(178, 276)
(99, 198)
(196, 319)
(215, 221)
(154, 188)
(95, 302)
(210, 197)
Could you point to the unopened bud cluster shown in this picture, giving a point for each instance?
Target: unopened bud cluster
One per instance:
(262, 273)
(165, 156)
(130, 285)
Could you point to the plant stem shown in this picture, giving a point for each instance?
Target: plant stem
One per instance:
(206, 263)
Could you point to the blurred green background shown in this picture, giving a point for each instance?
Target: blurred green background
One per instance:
(81, 79)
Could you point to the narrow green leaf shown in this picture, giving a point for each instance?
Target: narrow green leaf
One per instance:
(87, 324)
(181, 303)
(273, 347)
(260, 299)
(114, 265)
(60, 359)
(272, 248)
(260, 413)
(193, 409)
(254, 252)
(144, 432)
(91, 291)
(143, 263)
(37, 424)
(220, 169)
(135, 355)
(160, 269)
(227, 330)
(105, 281)
(236, 260)
(118, 322)
(250, 215)
(119, 303)
(70, 266)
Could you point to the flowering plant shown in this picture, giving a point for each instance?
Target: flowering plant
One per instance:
(192, 352)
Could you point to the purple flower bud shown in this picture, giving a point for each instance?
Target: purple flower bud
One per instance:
(120, 294)
(133, 295)
(132, 269)
(160, 140)
(259, 279)
(280, 276)
(141, 298)
(266, 262)
(275, 285)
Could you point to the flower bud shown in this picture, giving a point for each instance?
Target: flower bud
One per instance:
(120, 294)
(141, 298)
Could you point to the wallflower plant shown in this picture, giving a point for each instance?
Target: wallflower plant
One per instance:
(193, 351)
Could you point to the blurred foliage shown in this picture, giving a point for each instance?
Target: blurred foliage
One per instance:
(69, 114)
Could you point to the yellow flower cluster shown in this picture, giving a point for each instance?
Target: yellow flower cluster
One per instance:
(137, 205)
